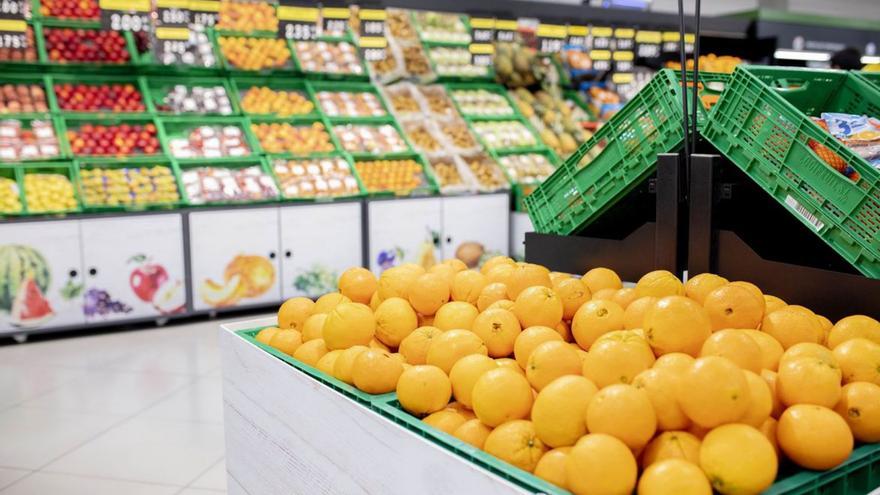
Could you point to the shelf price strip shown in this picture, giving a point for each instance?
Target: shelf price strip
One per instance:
(297, 23)
(648, 44)
(577, 35)
(13, 28)
(334, 20)
(372, 41)
(671, 38)
(505, 30)
(551, 38)
(481, 47)
(126, 15)
(204, 12)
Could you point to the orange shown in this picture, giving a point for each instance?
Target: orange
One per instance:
(617, 357)
(625, 412)
(455, 315)
(395, 282)
(310, 352)
(461, 409)
(286, 341)
(600, 464)
(329, 302)
(293, 312)
(677, 324)
(313, 328)
(445, 271)
(814, 437)
(760, 400)
(376, 372)
(549, 361)
(375, 344)
(556, 277)
(529, 339)
(496, 261)
(499, 329)
(524, 276)
(738, 459)
(467, 285)
(659, 283)
(265, 335)
(500, 274)
(770, 378)
(448, 347)
(735, 345)
(768, 429)
(845, 329)
(445, 420)
(551, 466)
(771, 349)
(473, 432)
(395, 319)
(677, 362)
(674, 477)
(573, 293)
(375, 301)
(860, 406)
(414, 346)
(501, 395)
(859, 360)
(510, 364)
(328, 361)
(672, 445)
(714, 391)
(698, 431)
(772, 303)
(791, 326)
(491, 293)
(538, 306)
(734, 306)
(808, 380)
(565, 332)
(426, 321)
(423, 389)
(624, 297)
(604, 295)
(456, 264)
(560, 408)
(808, 349)
(413, 267)
(515, 442)
(698, 287)
(428, 293)
(348, 324)
(754, 289)
(594, 319)
(502, 304)
(661, 385)
(634, 315)
(602, 278)
(342, 367)
(465, 374)
(358, 284)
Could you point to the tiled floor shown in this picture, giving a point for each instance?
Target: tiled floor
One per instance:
(137, 412)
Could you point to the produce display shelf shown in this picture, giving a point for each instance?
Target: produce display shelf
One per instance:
(80, 165)
(373, 122)
(93, 80)
(858, 474)
(487, 77)
(237, 163)
(66, 169)
(270, 161)
(40, 80)
(74, 121)
(289, 67)
(159, 86)
(241, 84)
(171, 127)
(623, 153)
(762, 124)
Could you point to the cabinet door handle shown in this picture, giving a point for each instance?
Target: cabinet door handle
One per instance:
(93, 271)
(272, 255)
(449, 240)
(288, 253)
(73, 273)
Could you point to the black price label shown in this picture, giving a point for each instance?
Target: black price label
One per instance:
(481, 54)
(12, 9)
(624, 39)
(172, 13)
(373, 48)
(13, 34)
(551, 38)
(600, 38)
(601, 59)
(648, 44)
(577, 35)
(505, 30)
(126, 15)
(204, 12)
(482, 30)
(372, 22)
(623, 61)
(334, 20)
(297, 23)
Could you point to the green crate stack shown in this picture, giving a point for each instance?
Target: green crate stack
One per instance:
(871, 77)
(173, 127)
(331, 76)
(621, 154)
(762, 123)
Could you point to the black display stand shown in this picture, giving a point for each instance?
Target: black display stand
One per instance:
(640, 233)
(738, 231)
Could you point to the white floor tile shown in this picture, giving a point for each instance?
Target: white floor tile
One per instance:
(214, 478)
(184, 357)
(30, 437)
(110, 392)
(8, 476)
(147, 450)
(53, 483)
(200, 401)
(21, 382)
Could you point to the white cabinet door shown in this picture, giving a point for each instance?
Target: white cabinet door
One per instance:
(134, 267)
(234, 257)
(520, 223)
(40, 275)
(404, 230)
(318, 242)
(476, 227)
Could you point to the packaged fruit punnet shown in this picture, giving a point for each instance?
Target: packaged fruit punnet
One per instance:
(350, 104)
(452, 175)
(10, 196)
(457, 135)
(373, 139)
(220, 184)
(210, 141)
(506, 134)
(401, 177)
(486, 172)
(437, 102)
(442, 27)
(197, 99)
(527, 168)
(128, 186)
(424, 136)
(449, 61)
(27, 140)
(198, 51)
(400, 25)
(22, 98)
(46, 192)
(390, 68)
(481, 103)
(404, 101)
(315, 178)
(264, 100)
(415, 61)
(340, 57)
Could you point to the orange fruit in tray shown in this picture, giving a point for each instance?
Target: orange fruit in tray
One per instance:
(467, 285)
(501, 395)
(659, 283)
(499, 330)
(328, 361)
(560, 408)
(538, 306)
(625, 296)
(465, 373)
(473, 432)
(672, 445)
(429, 292)
(491, 293)
(736, 345)
(601, 278)
(573, 293)
(791, 326)
(661, 385)
(808, 380)
(328, 302)
(734, 306)
(310, 352)
(634, 315)
(677, 324)
(414, 347)
(551, 466)
(860, 406)
(737, 459)
(549, 361)
(526, 275)
(625, 412)
(713, 391)
(286, 341)
(674, 476)
(395, 282)
(859, 360)
(445, 420)
(376, 372)
(358, 284)
(456, 315)
(423, 389)
(600, 463)
(293, 312)
(452, 345)
(395, 320)
(517, 443)
(814, 437)
(677, 362)
(594, 319)
(698, 287)
(349, 324)
(313, 328)
(852, 327)
(265, 335)
(617, 357)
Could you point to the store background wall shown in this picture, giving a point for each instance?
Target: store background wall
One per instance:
(855, 9)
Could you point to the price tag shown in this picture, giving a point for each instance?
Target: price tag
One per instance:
(648, 44)
(13, 34)
(623, 61)
(173, 40)
(601, 59)
(671, 38)
(551, 38)
(297, 23)
(505, 30)
(204, 12)
(172, 13)
(622, 78)
(373, 48)
(577, 35)
(482, 30)
(624, 39)
(13, 9)
(481, 53)
(126, 15)
(689, 39)
(372, 23)
(334, 20)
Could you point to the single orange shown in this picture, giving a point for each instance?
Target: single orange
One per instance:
(473, 432)
(736, 345)
(549, 361)
(348, 324)
(517, 443)
(464, 375)
(814, 437)
(852, 327)
(573, 293)
(600, 464)
(594, 319)
(414, 347)
(527, 275)
(286, 341)
(499, 329)
(624, 297)
(661, 385)
(358, 284)
(376, 372)
(602, 278)
(551, 466)
(677, 324)
(734, 306)
(659, 283)
(624, 412)
(395, 282)
(467, 285)
(859, 360)
(674, 477)
(455, 315)
(634, 315)
(529, 339)
(423, 389)
(808, 380)
(791, 326)
(560, 409)
(450, 346)
(698, 287)
(672, 445)
(617, 357)
(428, 293)
(859, 405)
(714, 391)
(491, 293)
(293, 312)
(737, 459)
(329, 302)
(501, 395)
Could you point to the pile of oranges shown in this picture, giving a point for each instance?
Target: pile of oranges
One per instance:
(665, 387)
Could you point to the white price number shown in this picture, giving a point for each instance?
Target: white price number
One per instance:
(648, 51)
(577, 40)
(504, 36)
(374, 54)
(602, 64)
(374, 28)
(174, 16)
(11, 8)
(481, 59)
(334, 25)
(624, 44)
(482, 35)
(302, 32)
(689, 48)
(206, 19)
(670, 47)
(174, 46)
(13, 41)
(551, 45)
(623, 65)
(128, 22)
(601, 43)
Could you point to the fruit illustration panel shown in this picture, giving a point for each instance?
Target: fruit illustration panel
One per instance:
(235, 258)
(41, 280)
(404, 231)
(318, 242)
(475, 228)
(134, 267)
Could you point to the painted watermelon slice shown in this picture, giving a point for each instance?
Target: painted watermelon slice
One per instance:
(30, 308)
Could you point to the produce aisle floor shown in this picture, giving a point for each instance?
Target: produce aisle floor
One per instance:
(134, 412)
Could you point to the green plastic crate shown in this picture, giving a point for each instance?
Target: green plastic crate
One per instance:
(175, 127)
(74, 121)
(62, 168)
(81, 165)
(621, 154)
(76, 66)
(317, 87)
(294, 122)
(362, 191)
(34, 79)
(96, 80)
(57, 126)
(860, 473)
(330, 76)
(157, 87)
(229, 163)
(241, 84)
(289, 67)
(762, 124)
(871, 77)
(376, 122)
(430, 186)
(33, 65)
(10, 172)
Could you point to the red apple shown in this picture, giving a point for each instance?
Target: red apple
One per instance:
(146, 279)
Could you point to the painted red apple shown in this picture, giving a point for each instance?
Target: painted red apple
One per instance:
(146, 279)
